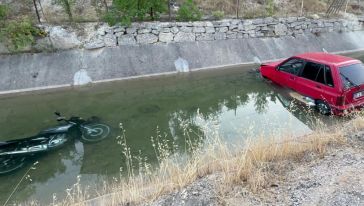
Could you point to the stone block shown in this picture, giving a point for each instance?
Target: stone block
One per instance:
(164, 24)
(95, 44)
(63, 39)
(144, 31)
(166, 30)
(280, 29)
(210, 30)
(234, 22)
(166, 37)
(174, 30)
(156, 32)
(258, 21)
(119, 29)
(110, 40)
(291, 19)
(184, 37)
(220, 36)
(233, 26)
(247, 22)
(186, 29)
(205, 37)
(250, 27)
(146, 38)
(127, 39)
(268, 20)
(209, 24)
(184, 24)
(198, 24)
(223, 29)
(241, 27)
(199, 30)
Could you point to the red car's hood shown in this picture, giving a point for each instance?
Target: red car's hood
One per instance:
(272, 64)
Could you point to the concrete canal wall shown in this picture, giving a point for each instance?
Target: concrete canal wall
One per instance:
(107, 54)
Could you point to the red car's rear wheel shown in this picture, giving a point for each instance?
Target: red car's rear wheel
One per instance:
(323, 107)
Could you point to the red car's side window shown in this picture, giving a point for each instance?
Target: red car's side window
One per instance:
(292, 66)
(311, 71)
(319, 73)
(328, 77)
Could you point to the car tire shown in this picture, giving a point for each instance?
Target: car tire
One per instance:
(323, 108)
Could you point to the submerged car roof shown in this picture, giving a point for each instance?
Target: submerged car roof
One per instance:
(327, 58)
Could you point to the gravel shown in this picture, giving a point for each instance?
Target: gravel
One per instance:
(335, 179)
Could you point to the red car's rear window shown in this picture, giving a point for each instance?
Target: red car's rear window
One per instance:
(352, 75)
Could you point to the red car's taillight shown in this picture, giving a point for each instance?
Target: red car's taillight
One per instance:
(340, 101)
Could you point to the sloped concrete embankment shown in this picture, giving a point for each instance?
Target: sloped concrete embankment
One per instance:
(24, 72)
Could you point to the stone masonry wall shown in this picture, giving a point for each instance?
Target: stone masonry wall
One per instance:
(99, 35)
(167, 32)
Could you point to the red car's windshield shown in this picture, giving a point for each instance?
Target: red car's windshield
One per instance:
(352, 75)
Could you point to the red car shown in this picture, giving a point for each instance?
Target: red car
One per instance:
(333, 83)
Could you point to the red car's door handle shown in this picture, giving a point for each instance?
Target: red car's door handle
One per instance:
(291, 77)
(318, 86)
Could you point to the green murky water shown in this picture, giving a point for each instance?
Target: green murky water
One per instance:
(236, 98)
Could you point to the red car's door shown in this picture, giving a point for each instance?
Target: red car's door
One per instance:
(316, 82)
(306, 82)
(329, 90)
(286, 73)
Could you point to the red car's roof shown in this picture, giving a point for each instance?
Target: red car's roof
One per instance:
(327, 58)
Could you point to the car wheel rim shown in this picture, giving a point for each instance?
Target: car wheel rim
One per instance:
(323, 109)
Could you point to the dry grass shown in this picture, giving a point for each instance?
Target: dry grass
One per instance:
(249, 165)
(261, 8)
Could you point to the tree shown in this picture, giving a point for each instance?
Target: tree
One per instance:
(169, 10)
(67, 6)
(237, 8)
(189, 12)
(156, 7)
(36, 10)
(125, 11)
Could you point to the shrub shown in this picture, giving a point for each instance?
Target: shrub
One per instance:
(218, 14)
(270, 8)
(4, 11)
(18, 34)
(189, 12)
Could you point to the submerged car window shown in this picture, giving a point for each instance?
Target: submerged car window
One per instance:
(311, 71)
(352, 75)
(329, 80)
(292, 66)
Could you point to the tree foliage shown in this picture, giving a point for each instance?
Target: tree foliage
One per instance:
(189, 12)
(17, 34)
(125, 11)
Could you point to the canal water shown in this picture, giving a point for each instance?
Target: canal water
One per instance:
(236, 99)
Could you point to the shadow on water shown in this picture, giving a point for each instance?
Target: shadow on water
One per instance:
(236, 98)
